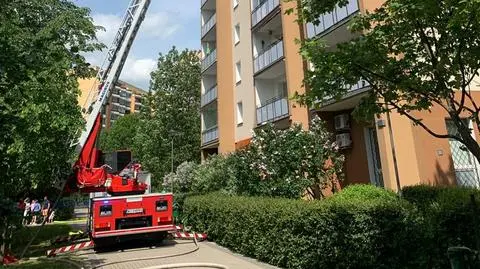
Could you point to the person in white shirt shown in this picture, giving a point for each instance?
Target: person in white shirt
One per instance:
(26, 211)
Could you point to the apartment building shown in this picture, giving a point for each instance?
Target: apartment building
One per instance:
(124, 99)
(251, 66)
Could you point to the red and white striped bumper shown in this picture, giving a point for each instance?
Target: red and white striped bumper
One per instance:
(71, 248)
(184, 235)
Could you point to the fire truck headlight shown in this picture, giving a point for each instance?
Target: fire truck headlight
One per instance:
(105, 210)
(161, 205)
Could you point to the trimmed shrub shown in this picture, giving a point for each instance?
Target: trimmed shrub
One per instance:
(449, 218)
(365, 192)
(334, 233)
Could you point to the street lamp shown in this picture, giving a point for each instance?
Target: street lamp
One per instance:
(173, 133)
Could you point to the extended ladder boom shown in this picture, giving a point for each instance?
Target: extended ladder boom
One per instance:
(87, 177)
(116, 57)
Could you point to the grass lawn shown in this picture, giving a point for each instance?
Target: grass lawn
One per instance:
(41, 242)
(73, 221)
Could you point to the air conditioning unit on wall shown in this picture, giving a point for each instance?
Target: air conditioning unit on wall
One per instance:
(342, 122)
(344, 140)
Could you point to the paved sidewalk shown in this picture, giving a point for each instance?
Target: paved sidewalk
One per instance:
(208, 253)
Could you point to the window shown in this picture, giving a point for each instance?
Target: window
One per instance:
(237, 34)
(239, 113)
(235, 3)
(238, 71)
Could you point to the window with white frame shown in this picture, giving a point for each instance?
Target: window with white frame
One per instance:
(239, 113)
(237, 34)
(238, 72)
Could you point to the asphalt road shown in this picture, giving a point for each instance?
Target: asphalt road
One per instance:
(168, 252)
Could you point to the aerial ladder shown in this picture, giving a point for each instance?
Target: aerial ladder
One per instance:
(125, 210)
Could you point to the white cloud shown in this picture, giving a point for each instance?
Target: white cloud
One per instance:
(137, 71)
(159, 24)
(155, 25)
(110, 22)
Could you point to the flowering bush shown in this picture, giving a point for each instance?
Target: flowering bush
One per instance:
(292, 161)
(279, 163)
(182, 179)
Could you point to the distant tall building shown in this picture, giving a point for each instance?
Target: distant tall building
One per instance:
(124, 99)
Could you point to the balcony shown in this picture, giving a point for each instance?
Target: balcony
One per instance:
(209, 60)
(209, 96)
(261, 11)
(209, 25)
(328, 21)
(210, 135)
(269, 56)
(349, 101)
(274, 109)
(208, 4)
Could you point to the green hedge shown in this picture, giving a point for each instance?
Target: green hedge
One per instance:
(449, 218)
(364, 231)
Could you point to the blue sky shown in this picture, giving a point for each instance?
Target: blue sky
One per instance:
(167, 23)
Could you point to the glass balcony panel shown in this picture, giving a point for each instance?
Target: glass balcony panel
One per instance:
(263, 10)
(209, 60)
(210, 135)
(209, 24)
(272, 110)
(329, 19)
(270, 55)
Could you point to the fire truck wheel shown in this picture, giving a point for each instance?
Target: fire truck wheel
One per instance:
(159, 237)
(102, 243)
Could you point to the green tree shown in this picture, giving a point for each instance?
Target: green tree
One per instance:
(172, 114)
(41, 44)
(414, 54)
(121, 134)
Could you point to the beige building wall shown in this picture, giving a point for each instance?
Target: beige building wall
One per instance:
(402, 148)
(244, 90)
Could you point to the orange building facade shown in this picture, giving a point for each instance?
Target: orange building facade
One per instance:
(251, 66)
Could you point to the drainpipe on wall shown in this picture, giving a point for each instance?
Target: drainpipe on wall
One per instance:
(394, 154)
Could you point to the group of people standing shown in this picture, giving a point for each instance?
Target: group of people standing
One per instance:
(34, 212)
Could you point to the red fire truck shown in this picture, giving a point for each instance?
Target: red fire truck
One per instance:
(123, 210)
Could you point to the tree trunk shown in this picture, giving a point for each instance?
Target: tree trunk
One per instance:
(474, 147)
(4, 238)
(467, 137)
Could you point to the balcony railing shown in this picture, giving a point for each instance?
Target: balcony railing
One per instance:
(209, 135)
(274, 109)
(209, 96)
(209, 25)
(267, 57)
(262, 10)
(209, 60)
(327, 20)
(360, 85)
